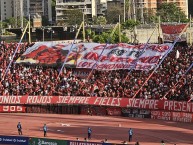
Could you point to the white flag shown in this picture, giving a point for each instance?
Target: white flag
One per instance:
(177, 54)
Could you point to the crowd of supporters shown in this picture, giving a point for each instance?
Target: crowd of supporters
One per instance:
(41, 80)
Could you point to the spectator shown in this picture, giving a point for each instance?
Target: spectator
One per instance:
(105, 141)
(85, 139)
(41, 80)
(162, 142)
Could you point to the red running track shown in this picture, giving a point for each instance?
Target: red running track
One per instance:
(115, 129)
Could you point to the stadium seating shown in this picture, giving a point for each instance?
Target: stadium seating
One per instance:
(41, 80)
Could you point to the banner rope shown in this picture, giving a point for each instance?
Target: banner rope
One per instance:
(176, 84)
(69, 51)
(163, 58)
(144, 48)
(108, 40)
(7, 69)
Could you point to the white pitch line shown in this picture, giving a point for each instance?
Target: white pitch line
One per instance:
(60, 130)
(47, 129)
(63, 124)
(14, 131)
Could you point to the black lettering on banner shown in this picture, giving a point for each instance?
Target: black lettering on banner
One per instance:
(138, 113)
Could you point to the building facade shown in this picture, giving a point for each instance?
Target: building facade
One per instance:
(6, 9)
(153, 4)
(22, 8)
(40, 7)
(90, 8)
(98, 7)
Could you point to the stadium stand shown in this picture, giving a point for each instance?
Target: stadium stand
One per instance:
(42, 80)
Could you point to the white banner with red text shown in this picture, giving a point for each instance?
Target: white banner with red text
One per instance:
(172, 116)
(181, 106)
(172, 31)
(95, 55)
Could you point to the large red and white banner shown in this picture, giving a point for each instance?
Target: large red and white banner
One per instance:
(95, 55)
(172, 31)
(152, 104)
(172, 116)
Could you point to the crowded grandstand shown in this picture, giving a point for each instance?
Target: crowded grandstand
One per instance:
(42, 80)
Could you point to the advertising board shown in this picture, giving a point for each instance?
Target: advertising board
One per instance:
(70, 142)
(134, 112)
(45, 141)
(13, 140)
(172, 116)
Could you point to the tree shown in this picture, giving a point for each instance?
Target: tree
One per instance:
(102, 38)
(105, 37)
(15, 23)
(150, 15)
(94, 20)
(124, 38)
(89, 34)
(11, 21)
(4, 24)
(130, 24)
(113, 13)
(25, 21)
(169, 12)
(154, 19)
(53, 3)
(101, 20)
(74, 16)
